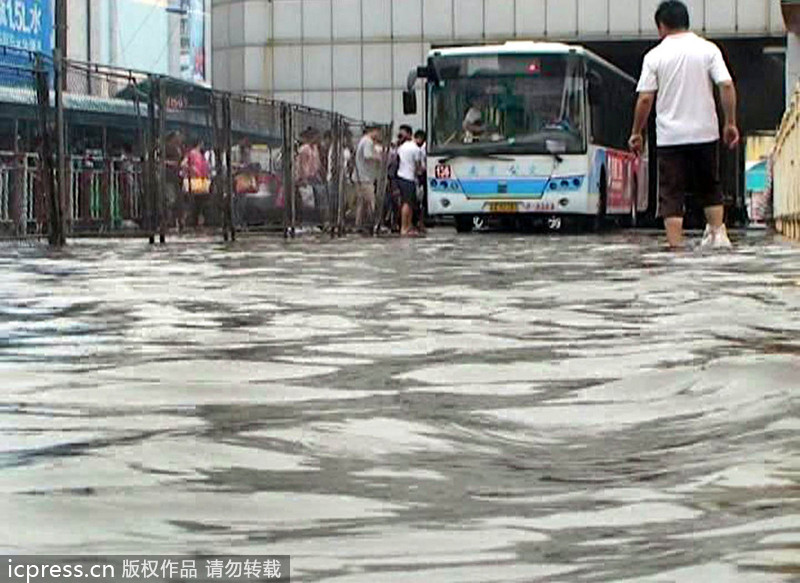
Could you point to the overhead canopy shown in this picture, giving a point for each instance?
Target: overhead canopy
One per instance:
(178, 95)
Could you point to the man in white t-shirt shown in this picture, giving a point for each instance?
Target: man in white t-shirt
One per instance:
(410, 157)
(682, 71)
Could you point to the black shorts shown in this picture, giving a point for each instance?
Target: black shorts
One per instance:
(408, 191)
(688, 169)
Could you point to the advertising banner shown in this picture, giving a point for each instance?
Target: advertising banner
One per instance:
(193, 41)
(26, 25)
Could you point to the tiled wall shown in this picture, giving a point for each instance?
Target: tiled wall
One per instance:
(354, 55)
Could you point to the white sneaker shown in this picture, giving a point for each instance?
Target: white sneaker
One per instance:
(708, 238)
(716, 238)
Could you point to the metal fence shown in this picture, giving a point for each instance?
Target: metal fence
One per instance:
(153, 155)
(786, 173)
(24, 120)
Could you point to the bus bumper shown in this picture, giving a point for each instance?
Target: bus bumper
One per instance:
(558, 204)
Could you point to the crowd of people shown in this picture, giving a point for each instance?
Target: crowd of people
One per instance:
(395, 204)
(380, 183)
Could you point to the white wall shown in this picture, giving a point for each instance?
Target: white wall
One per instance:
(354, 55)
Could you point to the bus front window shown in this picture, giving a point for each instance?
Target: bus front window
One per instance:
(507, 102)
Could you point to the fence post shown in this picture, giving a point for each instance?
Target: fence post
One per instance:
(229, 190)
(58, 222)
(141, 188)
(106, 194)
(288, 171)
(335, 171)
(20, 199)
(218, 185)
(161, 214)
(54, 228)
(150, 197)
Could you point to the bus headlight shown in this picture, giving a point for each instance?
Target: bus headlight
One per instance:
(564, 202)
(445, 202)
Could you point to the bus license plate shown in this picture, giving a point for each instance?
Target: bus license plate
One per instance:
(502, 207)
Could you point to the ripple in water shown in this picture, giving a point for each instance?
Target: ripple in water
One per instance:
(482, 408)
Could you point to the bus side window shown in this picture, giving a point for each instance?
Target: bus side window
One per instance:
(623, 114)
(612, 102)
(598, 106)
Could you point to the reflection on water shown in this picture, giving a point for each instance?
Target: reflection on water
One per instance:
(481, 408)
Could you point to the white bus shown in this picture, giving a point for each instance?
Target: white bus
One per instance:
(530, 131)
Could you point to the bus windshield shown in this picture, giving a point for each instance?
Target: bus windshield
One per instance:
(508, 103)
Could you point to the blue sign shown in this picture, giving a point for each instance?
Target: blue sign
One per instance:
(26, 25)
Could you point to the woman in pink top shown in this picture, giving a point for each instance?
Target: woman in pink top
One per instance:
(195, 163)
(197, 183)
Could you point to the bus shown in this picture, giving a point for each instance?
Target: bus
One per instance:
(531, 132)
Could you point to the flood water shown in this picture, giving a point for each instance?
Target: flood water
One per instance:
(476, 408)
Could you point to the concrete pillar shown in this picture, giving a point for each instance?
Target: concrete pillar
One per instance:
(113, 33)
(791, 16)
(792, 64)
(77, 31)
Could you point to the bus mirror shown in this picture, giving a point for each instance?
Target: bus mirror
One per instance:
(409, 102)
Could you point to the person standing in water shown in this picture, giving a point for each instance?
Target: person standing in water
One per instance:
(682, 71)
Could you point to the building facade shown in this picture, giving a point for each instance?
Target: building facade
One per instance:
(170, 37)
(354, 55)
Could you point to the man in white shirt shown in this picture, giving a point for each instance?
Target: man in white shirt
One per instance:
(682, 71)
(410, 157)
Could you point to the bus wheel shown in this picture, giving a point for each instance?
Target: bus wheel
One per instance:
(554, 223)
(600, 217)
(464, 224)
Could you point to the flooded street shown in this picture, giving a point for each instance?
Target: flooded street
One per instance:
(483, 408)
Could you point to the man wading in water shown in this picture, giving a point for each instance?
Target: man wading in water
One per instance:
(681, 70)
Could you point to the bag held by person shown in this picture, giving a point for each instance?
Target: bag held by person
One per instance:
(197, 185)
